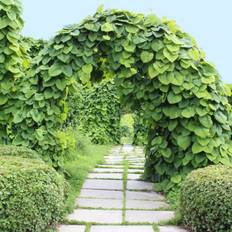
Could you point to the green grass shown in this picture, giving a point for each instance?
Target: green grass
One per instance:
(78, 164)
(125, 174)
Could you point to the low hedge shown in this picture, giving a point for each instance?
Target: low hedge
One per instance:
(11, 150)
(206, 199)
(31, 195)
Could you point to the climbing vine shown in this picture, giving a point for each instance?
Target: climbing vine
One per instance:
(75, 104)
(33, 46)
(101, 113)
(228, 88)
(96, 112)
(157, 69)
(11, 64)
(140, 129)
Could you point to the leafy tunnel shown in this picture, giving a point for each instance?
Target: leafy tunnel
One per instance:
(158, 70)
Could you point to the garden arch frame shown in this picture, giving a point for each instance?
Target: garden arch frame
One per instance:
(157, 68)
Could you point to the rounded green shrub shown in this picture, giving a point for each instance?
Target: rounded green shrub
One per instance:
(24, 152)
(206, 199)
(31, 195)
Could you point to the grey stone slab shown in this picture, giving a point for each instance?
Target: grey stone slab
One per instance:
(136, 164)
(108, 170)
(114, 158)
(109, 166)
(141, 204)
(117, 228)
(99, 203)
(171, 229)
(113, 162)
(103, 184)
(143, 216)
(131, 176)
(133, 170)
(139, 185)
(136, 167)
(97, 216)
(114, 176)
(71, 228)
(105, 194)
(139, 165)
(127, 148)
(149, 196)
(135, 158)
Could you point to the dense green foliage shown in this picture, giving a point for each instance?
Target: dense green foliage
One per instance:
(33, 46)
(140, 129)
(96, 111)
(32, 195)
(75, 104)
(158, 70)
(10, 150)
(11, 64)
(228, 88)
(206, 199)
(101, 114)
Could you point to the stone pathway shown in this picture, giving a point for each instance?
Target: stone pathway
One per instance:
(115, 199)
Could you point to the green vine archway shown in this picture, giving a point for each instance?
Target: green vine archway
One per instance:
(157, 68)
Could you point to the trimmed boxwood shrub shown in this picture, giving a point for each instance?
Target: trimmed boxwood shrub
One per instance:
(31, 195)
(24, 152)
(206, 199)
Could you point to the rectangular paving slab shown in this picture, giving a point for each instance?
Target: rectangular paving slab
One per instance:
(114, 162)
(114, 176)
(141, 204)
(103, 184)
(171, 229)
(96, 216)
(139, 165)
(109, 166)
(136, 167)
(99, 203)
(150, 196)
(71, 228)
(128, 228)
(107, 194)
(131, 176)
(139, 185)
(133, 170)
(143, 216)
(108, 170)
